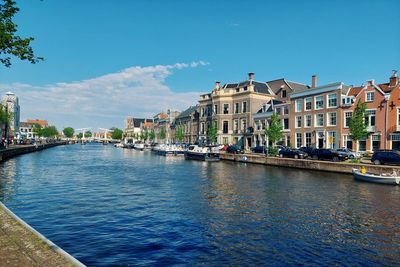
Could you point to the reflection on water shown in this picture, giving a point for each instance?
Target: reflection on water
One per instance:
(109, 206)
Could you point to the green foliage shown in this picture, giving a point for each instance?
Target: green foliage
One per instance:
(5, 117)
(212, 133)
(152, 135)
(179, 133)
(162, 133)
(69, 132)
(145, 135)
(87, 134)
(273, 151)
(50, 131)
(275, 129)
(357, 124)
(12, 45)
(37, 129)
(117, 134)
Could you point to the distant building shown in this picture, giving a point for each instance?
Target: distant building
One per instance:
(189, 121)
(26, 130)
(42, 123)
(11, 105)
(135, 126)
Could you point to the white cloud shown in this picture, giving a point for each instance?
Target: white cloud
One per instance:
(104, 101)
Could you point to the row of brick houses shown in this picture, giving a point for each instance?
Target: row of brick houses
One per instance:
(315, 116)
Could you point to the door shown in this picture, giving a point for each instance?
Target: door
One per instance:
(320, 140)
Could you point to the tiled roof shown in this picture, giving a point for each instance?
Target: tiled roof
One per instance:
(354, 91)
(25, 124)
(138, 122)
(259, 87)
(269, 106)
(187, 112)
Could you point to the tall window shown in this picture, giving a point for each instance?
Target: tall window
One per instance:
(299, 105)
(286, 124)
(370, 117)
(331, 118)
(237, 108)
(202, 128)
(203, 112)
(244, 107)
(226, 108)
(298, 140)
(298, 121)
(307, 120)
(332, 140)
(319, 102)
(332, 100)
(319, 120)
(369, 96)
(398, 116)
(225, 127)
(244, 124)
(278, 111)
(347, 117)
(285, 110)
(236, 125)
(215, 109)
(307, 139)
(283, 93)
(308, 103)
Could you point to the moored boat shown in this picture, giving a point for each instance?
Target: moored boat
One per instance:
(139, 145)
(204, 153)
(383, 178)
(169, 150)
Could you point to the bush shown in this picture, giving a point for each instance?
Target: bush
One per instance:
(273, 151)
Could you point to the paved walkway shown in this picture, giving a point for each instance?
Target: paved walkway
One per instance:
(21, 247)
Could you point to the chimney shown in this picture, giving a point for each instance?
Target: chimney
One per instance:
(314, 81)
(217, 85)
(251, 76)
(394, 79)
(370, 83)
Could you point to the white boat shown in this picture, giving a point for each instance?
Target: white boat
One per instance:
(169, 150)
(204, 153)
(120, 145)
(138, 145)
(383, 178)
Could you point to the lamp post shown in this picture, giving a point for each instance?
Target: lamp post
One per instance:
(6, 126)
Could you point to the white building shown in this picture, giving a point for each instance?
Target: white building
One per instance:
(11, 104)
(26, 130)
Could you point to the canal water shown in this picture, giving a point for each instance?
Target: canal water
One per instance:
(108, 206)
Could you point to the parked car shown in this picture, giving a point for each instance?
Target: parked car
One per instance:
(259, 149)
(234, 150)
(327, 154)
(350, 153)
(386, 157)
(307, 149)
(292, 153)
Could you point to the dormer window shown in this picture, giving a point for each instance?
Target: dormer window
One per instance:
(237, 90)
(283, 93)
(245, 88)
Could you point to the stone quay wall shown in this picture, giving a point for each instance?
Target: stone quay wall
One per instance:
(24, 149)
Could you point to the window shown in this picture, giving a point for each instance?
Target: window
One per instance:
(225, 140)
(244, 107)
(236, 125)
(308, 103)
(202, 128)
(332, 100)
(370, 117)
(215, 109)
(283, 93)
(209, 111)
(298, 121)
(307, 120)
(398, 116)
(244, 124)
(319, 102)
(237, 108)
(225, 127)
(347, 117)
(369, 96)
(299, 105)
(258, 125)
(278, 111)
(286, 124)
(331, 118)
(307, 139)
(298, 140)
(285, 110)
(332, 140)
(245, 88)
(319, 120)
(203, 112)
(226, 108)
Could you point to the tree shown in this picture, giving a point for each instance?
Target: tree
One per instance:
(275, 129)
(87, 134)
(69, 132)
(357, 123)
(37, 130)
(145, 135)
(162, 133)
(12, 45)
(212, 133)
(5, 116)
(152, 135)
(49, 131)
(179, 133)
(117, 134)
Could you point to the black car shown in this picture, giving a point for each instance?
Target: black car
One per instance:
(327, 154)
(307, 149)
(386, 157)
(259, 149)
(233, 150)
(292, 153)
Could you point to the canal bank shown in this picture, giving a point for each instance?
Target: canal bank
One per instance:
(305, 164)
(24, 149)
(20, 244)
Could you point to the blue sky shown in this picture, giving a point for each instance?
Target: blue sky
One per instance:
(85, 42)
